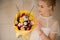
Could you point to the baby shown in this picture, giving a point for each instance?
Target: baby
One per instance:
(47, 27)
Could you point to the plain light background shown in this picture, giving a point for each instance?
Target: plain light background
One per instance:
(8, 11)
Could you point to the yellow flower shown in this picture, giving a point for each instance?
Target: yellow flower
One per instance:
(21, 20)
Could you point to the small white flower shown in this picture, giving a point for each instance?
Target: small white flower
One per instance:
(20, 24)
(25, 23)
(25, 18)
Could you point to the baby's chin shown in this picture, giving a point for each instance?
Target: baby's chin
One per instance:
(41, 13)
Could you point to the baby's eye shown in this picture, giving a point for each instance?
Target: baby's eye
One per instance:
(41, 6)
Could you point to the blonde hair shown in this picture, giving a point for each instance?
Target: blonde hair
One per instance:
(50, 3)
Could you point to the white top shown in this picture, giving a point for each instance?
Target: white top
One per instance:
(50, 26)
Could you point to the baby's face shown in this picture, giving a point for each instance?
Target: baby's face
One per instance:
(43, 8)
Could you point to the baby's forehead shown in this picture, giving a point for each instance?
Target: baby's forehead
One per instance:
(41, 3)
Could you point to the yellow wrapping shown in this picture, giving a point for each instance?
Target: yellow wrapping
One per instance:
(24, 33)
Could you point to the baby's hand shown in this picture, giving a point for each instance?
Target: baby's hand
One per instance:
(39, 26)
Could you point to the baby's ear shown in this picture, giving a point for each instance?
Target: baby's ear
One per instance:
(50, 7)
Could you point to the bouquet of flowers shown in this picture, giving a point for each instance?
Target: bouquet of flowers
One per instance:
(24, 23)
